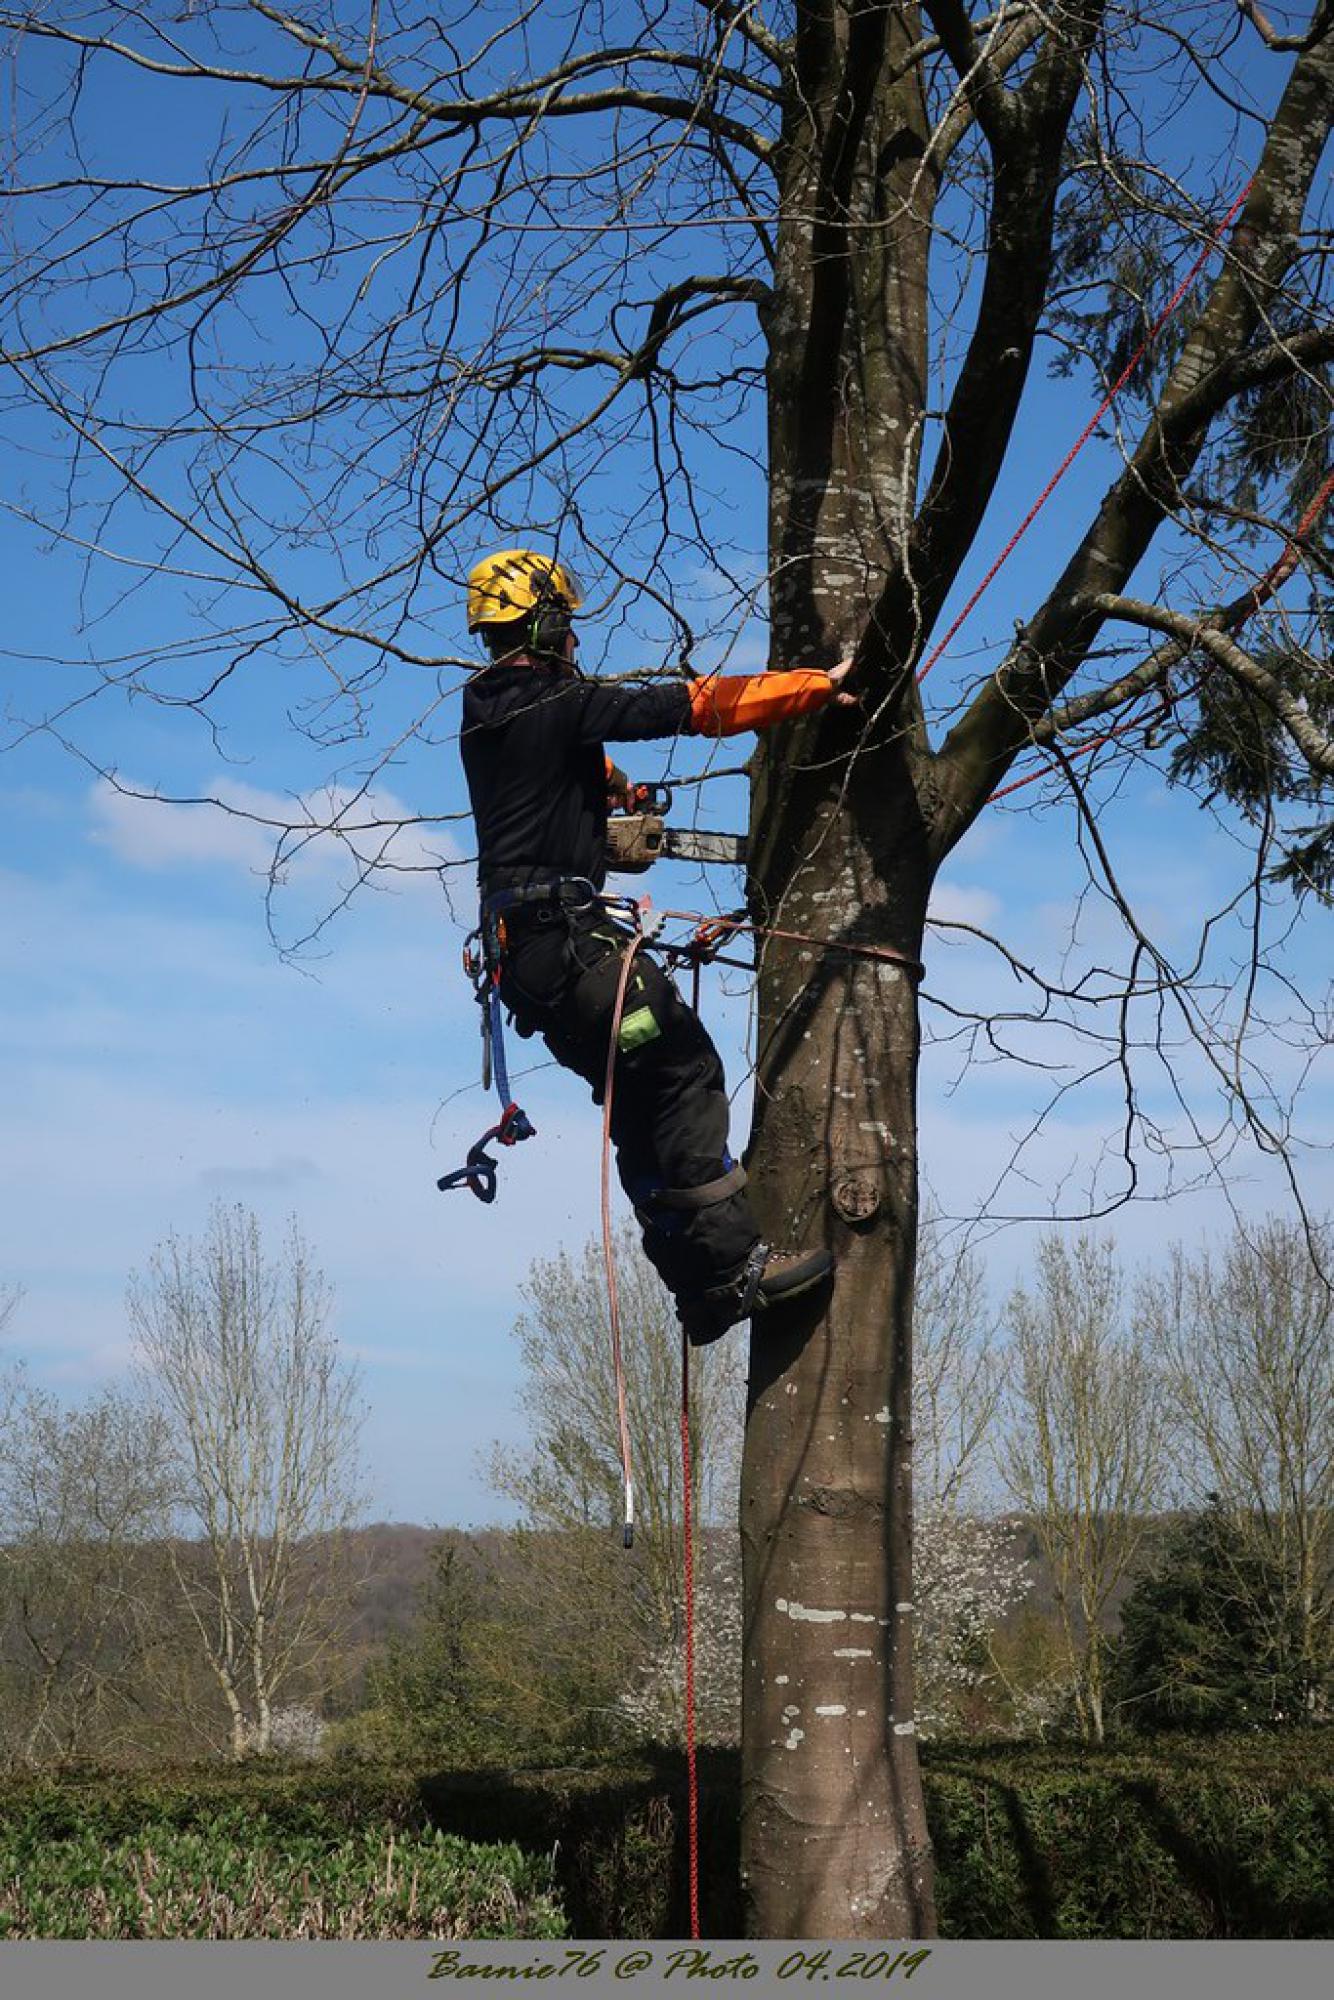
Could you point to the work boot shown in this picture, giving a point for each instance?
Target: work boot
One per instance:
(763, 1283)
(787, 1277)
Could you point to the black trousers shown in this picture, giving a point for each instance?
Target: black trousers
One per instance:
(559, 976)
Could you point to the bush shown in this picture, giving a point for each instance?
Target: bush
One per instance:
(497, 1669)
(225, 1871)
(1175, 1839)
(1170, 1842)
(1210, 1637)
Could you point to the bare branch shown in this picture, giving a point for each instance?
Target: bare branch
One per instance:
(1193, 633)
(1270, 36)
(1003, 713)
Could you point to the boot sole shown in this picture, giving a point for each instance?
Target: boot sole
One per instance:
(768, 1301)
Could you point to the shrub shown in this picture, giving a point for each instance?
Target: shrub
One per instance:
(1171, 1838)
(233, 1874)
(1165, 1843)
(1209, 1640)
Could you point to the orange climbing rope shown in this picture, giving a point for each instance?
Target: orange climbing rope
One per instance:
(613, 1299)
(633, 945)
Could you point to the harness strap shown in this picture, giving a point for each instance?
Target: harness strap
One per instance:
(568, 892)
(495, 1045)
(705, 1196)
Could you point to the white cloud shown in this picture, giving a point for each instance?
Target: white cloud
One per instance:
(245, 827)
(962, 903)
(151, 833)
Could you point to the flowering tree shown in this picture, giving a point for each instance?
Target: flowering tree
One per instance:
(968, 1580)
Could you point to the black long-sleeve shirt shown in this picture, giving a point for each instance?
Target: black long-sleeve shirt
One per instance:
(537, 776)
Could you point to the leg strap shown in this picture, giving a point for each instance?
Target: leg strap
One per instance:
(706, 1196)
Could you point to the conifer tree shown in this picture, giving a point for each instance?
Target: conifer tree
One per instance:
(1207, 1639)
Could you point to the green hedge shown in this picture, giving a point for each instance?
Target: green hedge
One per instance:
(1224, 1838)
(1228, 1839)
(1165, 1843)
(83, 1863)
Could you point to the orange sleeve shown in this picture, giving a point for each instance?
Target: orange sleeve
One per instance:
(723, 706)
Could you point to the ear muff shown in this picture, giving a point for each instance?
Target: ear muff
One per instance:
(546, 634)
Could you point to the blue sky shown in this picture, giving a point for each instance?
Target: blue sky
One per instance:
(159, 1053)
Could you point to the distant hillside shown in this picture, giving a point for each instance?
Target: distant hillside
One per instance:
(395, 1559)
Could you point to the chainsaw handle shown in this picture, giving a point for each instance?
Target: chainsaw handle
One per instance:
(650, 798)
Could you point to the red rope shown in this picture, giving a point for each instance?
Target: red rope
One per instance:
(716, 930)
(1229, 620)
(692, 1776)
(1085, 749)
(1088, 430)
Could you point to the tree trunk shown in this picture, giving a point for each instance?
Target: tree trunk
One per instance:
(1093, 1689)
(834, 1840)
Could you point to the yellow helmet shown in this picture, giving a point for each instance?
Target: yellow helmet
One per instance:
(514, 583)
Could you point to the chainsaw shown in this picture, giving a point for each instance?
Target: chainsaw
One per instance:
(640, 836)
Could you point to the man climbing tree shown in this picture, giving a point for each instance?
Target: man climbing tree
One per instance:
(533, 730)
(331, 308)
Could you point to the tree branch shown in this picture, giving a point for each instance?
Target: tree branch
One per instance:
(1015, 34)
(741, 20)
(1207, 374)
(1152, 672)
(1270, 36)
(979, 423)
(993, 106)
(1192, 633)
(534, 97)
